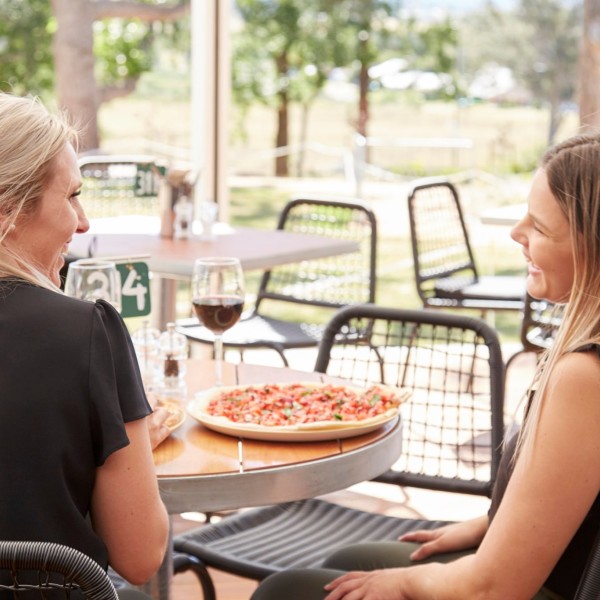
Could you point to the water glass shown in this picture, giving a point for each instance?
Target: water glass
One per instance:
(91, 279)
(208, 217)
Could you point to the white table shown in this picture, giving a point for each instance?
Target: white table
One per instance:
(202, 470)
(257, 249)
(504, 215)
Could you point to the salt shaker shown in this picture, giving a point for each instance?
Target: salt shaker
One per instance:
(173, 354)
(145, 342)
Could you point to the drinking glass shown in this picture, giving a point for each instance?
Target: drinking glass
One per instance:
(218, 299)
(91, 279)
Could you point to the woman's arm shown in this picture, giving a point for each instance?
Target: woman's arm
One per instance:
(127, 511)
(449, 538)
(549, 494)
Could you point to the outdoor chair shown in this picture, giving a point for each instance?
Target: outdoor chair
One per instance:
(589, 584)
(541, 320)
(294, 301)
(446, 274)
(117, 185)
(452, 437)
(49, 570)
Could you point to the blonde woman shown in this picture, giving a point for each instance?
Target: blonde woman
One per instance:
(545, 508)
(75, 451)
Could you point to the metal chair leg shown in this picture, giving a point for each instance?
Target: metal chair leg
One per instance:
(185, 562)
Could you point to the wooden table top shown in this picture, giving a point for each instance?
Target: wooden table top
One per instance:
(202, 470)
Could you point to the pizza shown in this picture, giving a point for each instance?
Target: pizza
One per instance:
(297, 407)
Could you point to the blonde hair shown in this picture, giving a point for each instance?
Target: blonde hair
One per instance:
(30, 139)
(572, 169)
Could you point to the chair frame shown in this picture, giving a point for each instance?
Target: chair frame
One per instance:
(589, 584)
(464, 287)
(75, 569)
(263, 291)
(295, 335)
(104, 162)
(257, 542)
(429, 317)
(541, 320)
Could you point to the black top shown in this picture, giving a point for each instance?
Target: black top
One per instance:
(69, 381)
(565, 576)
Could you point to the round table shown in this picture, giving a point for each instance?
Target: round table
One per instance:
(205, 471)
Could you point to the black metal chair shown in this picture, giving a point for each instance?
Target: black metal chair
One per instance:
(589, 584)
(446, 274)
(116, 185)
(453, 429)
(541, 320)
(49, 570)
(304, 287)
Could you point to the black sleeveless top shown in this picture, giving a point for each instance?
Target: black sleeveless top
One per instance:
(564, 578)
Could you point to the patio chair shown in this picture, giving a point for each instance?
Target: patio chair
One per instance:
(452, 427)
(294, 301)
(541, 320)
(51, 571)
(116, 185)
(589, 584)
(446, 274)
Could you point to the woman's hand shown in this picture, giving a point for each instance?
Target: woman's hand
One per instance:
(157, 427)
(157, 422)
(383, 584)
(450, 538)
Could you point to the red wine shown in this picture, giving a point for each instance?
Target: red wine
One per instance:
(218, 313)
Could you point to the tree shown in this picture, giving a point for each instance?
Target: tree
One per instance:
(269, 53)
(288, 47)
(589, 80)
(539, 41)
(77, 87)
(25, 67)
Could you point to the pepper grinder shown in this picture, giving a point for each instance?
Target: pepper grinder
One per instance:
(184, 214)
(173, 354)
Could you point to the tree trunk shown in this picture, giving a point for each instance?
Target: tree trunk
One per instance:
(363, 96)
(281, 162)
(555, 121)
(74, 59)
(363, 102)
(281, 141)
(74, 66)
(589, 77)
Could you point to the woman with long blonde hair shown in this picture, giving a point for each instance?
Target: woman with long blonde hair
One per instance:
(76, 429)
(545, 510)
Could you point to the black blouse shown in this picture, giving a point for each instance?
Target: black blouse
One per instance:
(69, 382)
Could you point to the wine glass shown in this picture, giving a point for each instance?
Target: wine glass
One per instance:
(91, 279)
(218, 299)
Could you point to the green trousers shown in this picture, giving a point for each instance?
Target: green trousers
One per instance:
(307, 584)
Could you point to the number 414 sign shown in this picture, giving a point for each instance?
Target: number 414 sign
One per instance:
(135, 289)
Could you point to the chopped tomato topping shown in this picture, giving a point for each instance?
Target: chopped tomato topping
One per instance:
(292, 404)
